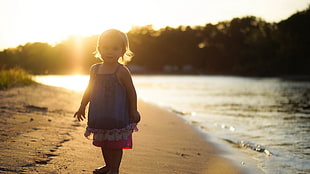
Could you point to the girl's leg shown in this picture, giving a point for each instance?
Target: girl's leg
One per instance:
(104, 169)
(105, 156)
(114, 159)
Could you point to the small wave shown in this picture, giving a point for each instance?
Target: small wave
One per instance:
(249, 145)
(255, 147)
(182, 113)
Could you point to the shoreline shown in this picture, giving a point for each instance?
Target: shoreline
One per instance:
(237, 156)
(40, 135)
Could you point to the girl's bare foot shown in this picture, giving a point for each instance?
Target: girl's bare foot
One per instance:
(101, 170)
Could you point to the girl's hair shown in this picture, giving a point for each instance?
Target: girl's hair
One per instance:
(128, 54)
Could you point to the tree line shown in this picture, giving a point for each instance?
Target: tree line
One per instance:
(242, 46)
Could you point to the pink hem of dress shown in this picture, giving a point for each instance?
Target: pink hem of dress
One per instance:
(120, 144)
(113, 138)
(112, 134)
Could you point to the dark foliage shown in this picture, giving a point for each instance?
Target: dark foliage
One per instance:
(242, 46)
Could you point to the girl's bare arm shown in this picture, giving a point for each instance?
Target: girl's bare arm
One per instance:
(126, 80)
(80, 114)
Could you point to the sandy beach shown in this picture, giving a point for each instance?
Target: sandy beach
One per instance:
(39, 135)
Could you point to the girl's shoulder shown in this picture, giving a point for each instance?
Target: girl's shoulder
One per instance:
(95, 67)
(124, 74)
(123, 69)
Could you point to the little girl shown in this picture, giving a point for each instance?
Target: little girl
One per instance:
(112, 114)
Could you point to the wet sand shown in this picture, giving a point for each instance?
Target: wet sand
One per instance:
(39, 135)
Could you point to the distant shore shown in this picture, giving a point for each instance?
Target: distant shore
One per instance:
(39, 135)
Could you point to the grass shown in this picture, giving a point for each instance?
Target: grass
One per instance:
(14, 77)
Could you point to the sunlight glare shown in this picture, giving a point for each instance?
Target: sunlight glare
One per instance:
(52, 21)
(71, 82)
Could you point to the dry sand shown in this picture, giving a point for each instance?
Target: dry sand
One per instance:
(39, 135)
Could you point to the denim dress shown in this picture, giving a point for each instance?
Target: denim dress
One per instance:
(108, 114)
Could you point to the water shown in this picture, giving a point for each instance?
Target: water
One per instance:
(267, 119)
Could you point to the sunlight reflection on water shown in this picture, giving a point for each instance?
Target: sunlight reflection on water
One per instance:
(73, 82)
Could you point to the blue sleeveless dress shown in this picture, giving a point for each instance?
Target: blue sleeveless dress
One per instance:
(108, 114)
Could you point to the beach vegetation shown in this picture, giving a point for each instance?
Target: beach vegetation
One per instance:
(14, 77)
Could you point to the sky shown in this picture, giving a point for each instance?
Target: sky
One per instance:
(52, 21)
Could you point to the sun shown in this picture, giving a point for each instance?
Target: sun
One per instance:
(78, 18)
(53, 21)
